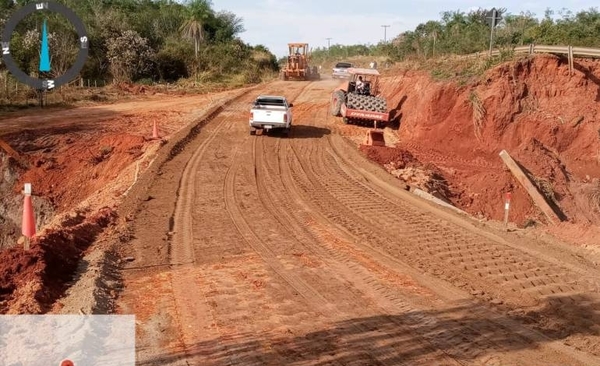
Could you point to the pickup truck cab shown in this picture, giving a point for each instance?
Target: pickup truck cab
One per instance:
(271, 112)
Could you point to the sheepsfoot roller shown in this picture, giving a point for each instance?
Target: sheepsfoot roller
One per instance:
(359, 102)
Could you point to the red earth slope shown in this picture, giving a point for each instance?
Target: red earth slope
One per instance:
(544, 117)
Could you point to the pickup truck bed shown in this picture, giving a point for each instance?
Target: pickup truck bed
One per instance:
(270, 113)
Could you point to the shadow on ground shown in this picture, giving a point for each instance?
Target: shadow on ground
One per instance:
(308, 132)
(590, 75)
(463, 333)
(299, 132)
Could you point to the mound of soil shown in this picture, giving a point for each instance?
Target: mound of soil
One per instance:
(96, 159)
(30, 281)
(403, 165)
(134, 88)
(545, 118)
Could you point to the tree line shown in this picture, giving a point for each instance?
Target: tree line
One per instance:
(141, 40)
(460, 33)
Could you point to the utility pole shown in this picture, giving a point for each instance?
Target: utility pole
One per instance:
(328, 42)
(494, 18)
(385, 27)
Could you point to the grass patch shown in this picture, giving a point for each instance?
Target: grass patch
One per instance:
(462, 70)
(547, 189)
(18, 97)
(478, 113)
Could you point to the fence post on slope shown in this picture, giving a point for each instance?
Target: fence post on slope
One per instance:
(571, 67)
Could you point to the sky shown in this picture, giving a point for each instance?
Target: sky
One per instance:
(275, 23)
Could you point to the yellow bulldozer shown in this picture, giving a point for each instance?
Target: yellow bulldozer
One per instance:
(297, 67)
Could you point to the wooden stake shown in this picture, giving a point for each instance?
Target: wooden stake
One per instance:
(537, 197)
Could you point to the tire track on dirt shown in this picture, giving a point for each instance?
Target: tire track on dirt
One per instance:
(386, 186)
(338, 266)
(458, 341)
(182, 219)
(273, 218)
(465, 248)
(447, 247)
(185, 281)
(274, 246)
(188, 237)
(254, 241)
(514, 269)
(351, 201)
(426, 328)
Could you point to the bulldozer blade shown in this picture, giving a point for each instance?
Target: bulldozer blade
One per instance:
(375, 138)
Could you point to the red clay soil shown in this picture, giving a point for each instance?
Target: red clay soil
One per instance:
(97, 159)
(381, 155)
(30, 281)
(80, 164)
(405, 166)
(544, 117)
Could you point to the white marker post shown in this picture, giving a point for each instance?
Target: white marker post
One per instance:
(506, 209)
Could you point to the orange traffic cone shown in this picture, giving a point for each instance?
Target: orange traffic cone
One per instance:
(155, 131)
(28, 229)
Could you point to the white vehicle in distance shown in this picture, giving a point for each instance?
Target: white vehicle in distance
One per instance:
(340, 70)
(271, 112)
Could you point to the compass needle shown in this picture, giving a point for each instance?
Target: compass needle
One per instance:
(45, 52)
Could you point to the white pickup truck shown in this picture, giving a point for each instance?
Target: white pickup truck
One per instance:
(271, 112)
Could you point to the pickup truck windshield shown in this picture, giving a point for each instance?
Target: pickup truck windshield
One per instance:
(343, 65)
(270, 101)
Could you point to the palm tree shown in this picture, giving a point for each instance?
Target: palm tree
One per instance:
(199, 13)
(194, 30)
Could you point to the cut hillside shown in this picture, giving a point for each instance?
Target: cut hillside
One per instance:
(547, 119)
(82, 163)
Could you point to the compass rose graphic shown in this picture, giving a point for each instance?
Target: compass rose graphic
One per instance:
(45, 67)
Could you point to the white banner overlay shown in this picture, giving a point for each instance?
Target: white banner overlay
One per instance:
(55, 340)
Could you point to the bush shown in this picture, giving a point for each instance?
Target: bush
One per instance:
(129, 56)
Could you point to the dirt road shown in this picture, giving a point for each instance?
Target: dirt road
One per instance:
(255, 250)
